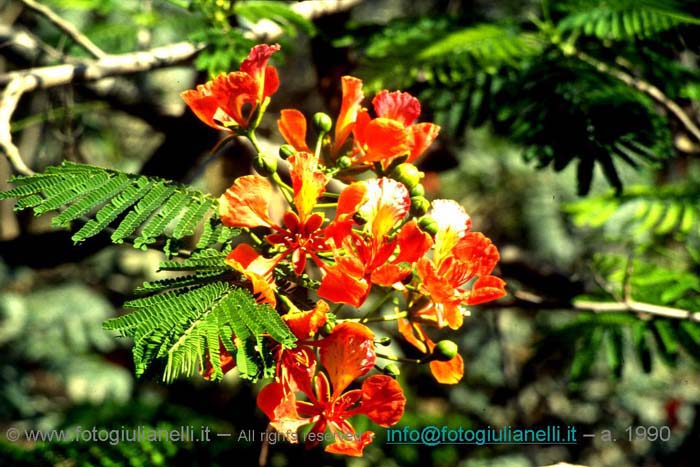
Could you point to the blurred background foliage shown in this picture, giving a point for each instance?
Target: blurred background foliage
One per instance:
(569, 133)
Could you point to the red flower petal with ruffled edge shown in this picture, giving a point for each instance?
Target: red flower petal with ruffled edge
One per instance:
(308, 182)
(478, 251)
(413, 243)
(397, 105)
(346, 354)
(292, 126)
(236, 96)
(257, 269)
(486, 289)
(255, 65)
(246, 203)
(382, 400)
(352, 97)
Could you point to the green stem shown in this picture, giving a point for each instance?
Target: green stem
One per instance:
(394, 358)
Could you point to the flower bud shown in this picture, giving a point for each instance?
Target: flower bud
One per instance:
(418, 190)
(326, 329)
(344, 162)
(419, 205)
(265, 165)
(444, 351)
(408, 174)
(383, 341)
(428, 225)
(323, 122)
(392, 369)
(286, 151)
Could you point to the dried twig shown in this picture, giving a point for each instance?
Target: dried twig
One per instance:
(71, 31)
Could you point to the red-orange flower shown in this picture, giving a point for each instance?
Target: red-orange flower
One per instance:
(230, 100)
(461, 258)
(370, 256)
(246, 204)
(393, 132)
(346, 354)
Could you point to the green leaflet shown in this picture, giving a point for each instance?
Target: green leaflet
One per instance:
(138, 209)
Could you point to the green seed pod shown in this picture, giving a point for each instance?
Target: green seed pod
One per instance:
(265, 165)
(392, 369)
(287, 150)
(419, 205)
(323, 122)
(408, 174)
(428, 225)
(344, 162)
(445, 350)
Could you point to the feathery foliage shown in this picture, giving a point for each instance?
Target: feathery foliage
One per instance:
(196, 316)
(642, 211)
(623, 19)
(142, 209)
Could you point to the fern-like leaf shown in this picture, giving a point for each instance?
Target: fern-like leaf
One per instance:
(151, 206)
(187, 324)
(625, 19)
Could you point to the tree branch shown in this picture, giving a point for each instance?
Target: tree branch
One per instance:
(645, 87)
(70, 30)
(638, 307)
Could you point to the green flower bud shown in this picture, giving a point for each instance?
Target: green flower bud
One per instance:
(418, 190)
(323, 122)
(419, 205)
(383, 341)
(444, 351)
(392, 369)
(287, 150)
(428, 225)
(326, 329)
(408, 174)
(265, 165)
(344, 162)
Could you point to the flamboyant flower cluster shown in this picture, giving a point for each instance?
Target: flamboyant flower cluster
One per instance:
(341, 243)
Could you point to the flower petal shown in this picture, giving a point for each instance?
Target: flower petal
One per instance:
(257, 269)
(420, 137)
(478, 250)
(246, 203)
(486, 289)
(308, 182)
(203, 104)
(292, 126)
(280, 408)
(387, 203)
(382, 400)
(255, 65)
(350, 444)
(352, 97)
(346, 354)
(397, 105)
(340, 287)
(381, 139)
(449, 372)
(413, 243)
(413, 334)
(305, 324)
